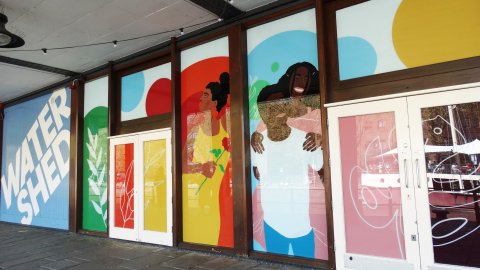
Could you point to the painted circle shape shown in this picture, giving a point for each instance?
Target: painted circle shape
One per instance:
(430, 31)
(133, 88)
(159, 97)
(356, 58)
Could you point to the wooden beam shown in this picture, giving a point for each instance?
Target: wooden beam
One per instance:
(27, 64)
(221, 8)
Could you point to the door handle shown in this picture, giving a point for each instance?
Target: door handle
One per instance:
(405, 171)
(417, 169)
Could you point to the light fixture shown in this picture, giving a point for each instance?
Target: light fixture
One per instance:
(115, 43)
(7, 39)
(220, 19)
(44, 50)
(181, 31)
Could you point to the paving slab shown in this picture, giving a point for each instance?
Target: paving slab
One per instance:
(23, 248)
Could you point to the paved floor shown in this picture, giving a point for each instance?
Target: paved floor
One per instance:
(32, 248)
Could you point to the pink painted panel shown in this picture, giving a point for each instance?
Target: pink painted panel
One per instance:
(371, 186)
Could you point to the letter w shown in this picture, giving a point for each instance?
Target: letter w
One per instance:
(13, 181)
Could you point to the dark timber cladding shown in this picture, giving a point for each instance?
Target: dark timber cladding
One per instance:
(221, 8)
(27, 64)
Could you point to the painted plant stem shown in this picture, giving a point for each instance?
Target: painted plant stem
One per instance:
(205, 180)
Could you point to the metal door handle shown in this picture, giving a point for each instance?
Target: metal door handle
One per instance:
(405, 170)
(418, 174)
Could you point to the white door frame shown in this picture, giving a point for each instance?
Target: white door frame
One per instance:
(343, 261)
(117, 232)
(163, 238)
(415, 104)
(138, 233)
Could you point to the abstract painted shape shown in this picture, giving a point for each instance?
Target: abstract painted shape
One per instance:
(159, 97)
(94, 169)
(155, 185)
(124, 186)
(285, 48)
(133, 87)
(356, 58)
(430, 31)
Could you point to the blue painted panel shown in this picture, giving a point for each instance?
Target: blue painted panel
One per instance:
(35, 161)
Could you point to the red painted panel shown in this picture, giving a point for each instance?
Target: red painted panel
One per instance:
(124, 183)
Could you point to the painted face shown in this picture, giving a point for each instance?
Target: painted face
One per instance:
(206, 102)
(300, 81)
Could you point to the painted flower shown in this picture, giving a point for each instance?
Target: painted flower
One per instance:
(226, 144)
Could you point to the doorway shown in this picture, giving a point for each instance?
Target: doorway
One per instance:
(141, 187)
(405, 179)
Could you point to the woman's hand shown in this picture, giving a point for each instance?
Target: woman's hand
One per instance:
(208, 169)
(256, 142)
(313, 141)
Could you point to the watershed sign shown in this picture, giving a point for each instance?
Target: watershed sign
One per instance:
(35, 161)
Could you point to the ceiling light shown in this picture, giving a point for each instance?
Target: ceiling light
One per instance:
(115, 43)
(7, 39)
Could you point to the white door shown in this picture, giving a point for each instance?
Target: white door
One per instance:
(155, 188)
(372, 186)
(141, 187)
(445, 134)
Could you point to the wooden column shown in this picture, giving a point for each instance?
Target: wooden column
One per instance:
(176, 144)
(240, 141)
(322, 69)
(75, 183)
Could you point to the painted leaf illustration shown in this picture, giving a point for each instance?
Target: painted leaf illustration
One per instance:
(105, 215)
(99, 157)
(97, 208)
(221, 168)
(91, 152)
(93, 187)
(95, 141)
(90, 136)
(103, 200)
(92, 167)
(101, 176)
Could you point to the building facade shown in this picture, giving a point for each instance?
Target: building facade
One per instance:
(335, 134)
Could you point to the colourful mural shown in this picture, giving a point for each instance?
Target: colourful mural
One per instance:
(36, 161)
(146, 93)
(155, 185)
(206, 180)
(124, 186)
(95, 148)
(288, 196)
(381, 36)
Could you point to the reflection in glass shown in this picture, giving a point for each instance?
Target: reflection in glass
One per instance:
(155, 186)
(124, 186)
(371, 185)
(452, 151)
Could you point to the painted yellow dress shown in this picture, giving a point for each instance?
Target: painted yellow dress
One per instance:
(201, 214)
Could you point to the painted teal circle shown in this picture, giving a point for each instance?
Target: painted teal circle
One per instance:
(133, 87)
(356, 58)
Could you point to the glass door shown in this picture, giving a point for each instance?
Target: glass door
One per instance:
(123, 213)
(374, 199)
(141, 187)
(155, 209)
(445, 134)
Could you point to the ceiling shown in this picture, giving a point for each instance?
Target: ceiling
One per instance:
(61, 23)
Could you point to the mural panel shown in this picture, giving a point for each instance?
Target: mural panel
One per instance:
(36, 161)
(288, 194)
(381, 36)
(206, 180)
(124, 186)
(146, 93)
(95, 150)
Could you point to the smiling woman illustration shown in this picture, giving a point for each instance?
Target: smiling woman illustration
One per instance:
(300, 83)
(206, 169)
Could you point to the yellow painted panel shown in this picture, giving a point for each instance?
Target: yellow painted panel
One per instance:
(155, 185)
(434, 31)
